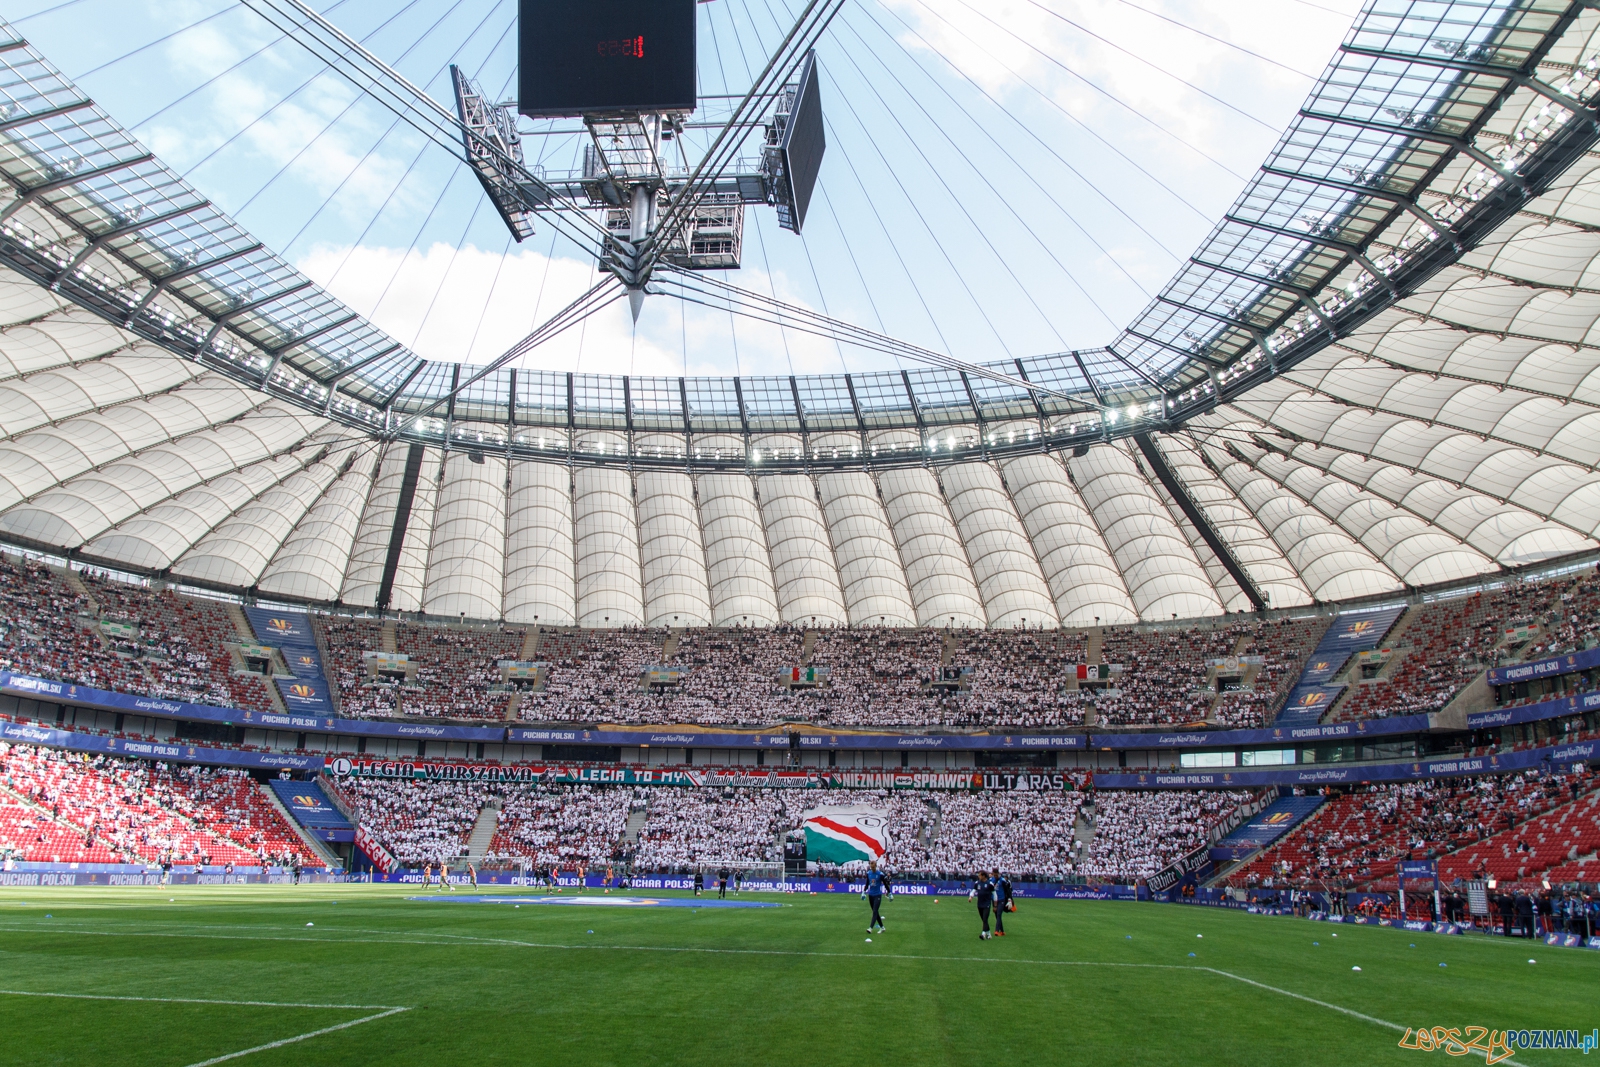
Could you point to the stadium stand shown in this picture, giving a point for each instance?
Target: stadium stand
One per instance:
(134, 810)
(180, 644)
(418, 822)
(1446, 644)
(562, 826)
(1136, 833)
(1512, 827)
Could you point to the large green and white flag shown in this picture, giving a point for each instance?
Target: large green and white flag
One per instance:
(846, 833)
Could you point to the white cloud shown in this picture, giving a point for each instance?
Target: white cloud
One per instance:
(437, 300)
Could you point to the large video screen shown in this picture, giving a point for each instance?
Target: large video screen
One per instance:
(578, 57)
(803, 141)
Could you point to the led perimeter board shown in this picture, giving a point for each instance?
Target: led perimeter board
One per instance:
(578, 57)
(800, 148)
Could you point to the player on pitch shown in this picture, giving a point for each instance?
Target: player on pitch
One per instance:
(983, 893)
(877, 884)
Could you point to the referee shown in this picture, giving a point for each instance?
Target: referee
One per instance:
(983, 893)
(876, 883)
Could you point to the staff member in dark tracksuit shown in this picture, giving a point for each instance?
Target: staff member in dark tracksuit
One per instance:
(983, 893)
(1002, 900)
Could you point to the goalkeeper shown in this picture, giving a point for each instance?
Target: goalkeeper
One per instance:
(877, 885)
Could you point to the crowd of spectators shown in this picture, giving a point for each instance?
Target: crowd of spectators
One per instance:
(562, 826)
(1443, 645)
(686, 829)
(128, 637)
(131, 810)
(48, 629)
(418, 821)
(1136, 834)
(1028, 836)
(180, 644)
(1163, 679)
(1283, 647)
(1019, 678)
(1359, 837)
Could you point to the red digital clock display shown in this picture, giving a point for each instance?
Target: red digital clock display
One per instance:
(630, 47)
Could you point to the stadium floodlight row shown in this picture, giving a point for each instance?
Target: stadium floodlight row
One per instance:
(1374, 374)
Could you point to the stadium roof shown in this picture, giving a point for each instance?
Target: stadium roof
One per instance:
(1378, 370)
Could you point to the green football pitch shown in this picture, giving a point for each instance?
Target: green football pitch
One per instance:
(364, 975)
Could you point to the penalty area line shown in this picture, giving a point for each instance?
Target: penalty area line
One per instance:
(1373, 1019)
(194, 1000)
(297, 1038)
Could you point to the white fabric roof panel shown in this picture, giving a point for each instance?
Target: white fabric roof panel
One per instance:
(77, 510)
(1263, 561)
(1083, 577)
(871, 578)
(1162, 574)
(154, 539)
(312, 562)
(738, 565)
(46, 457)
(236, 552)
(803, 568)
(1007, 572)
(677, 591)
(610, 586)
(541, 581)
(411, 572)
(936, 566)
(466, 558)
(1449, 435)
(364, 574)
(53, 395)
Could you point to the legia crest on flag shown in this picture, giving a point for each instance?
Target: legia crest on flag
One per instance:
(846, 833)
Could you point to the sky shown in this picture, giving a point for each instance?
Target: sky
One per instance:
(1003, 177)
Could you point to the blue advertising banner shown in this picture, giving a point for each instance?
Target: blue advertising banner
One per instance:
(304, 663)
(1544, 709)
(1546, 668)
(695, 739)
(1359, 631)
(1323, 666)
(1276, 735)
(309, 805)
(83, 696)
(282, 629)
(158, 750)
(1308, 703)
(1311, 776)
(1267, 825)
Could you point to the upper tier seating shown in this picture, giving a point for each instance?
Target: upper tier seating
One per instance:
(180, 644)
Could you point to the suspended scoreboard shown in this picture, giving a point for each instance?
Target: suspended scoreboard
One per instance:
(585, 57)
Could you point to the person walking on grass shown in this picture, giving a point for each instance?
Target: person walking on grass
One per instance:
(982, 893)
(472, 875)
(1002, 902)
(873, 894)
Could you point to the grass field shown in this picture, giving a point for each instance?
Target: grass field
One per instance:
(215, 971)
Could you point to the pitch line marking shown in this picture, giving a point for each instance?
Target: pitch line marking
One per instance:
(192, 1000)
(298, 1038)
(1324, 1004)
(674, 948)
